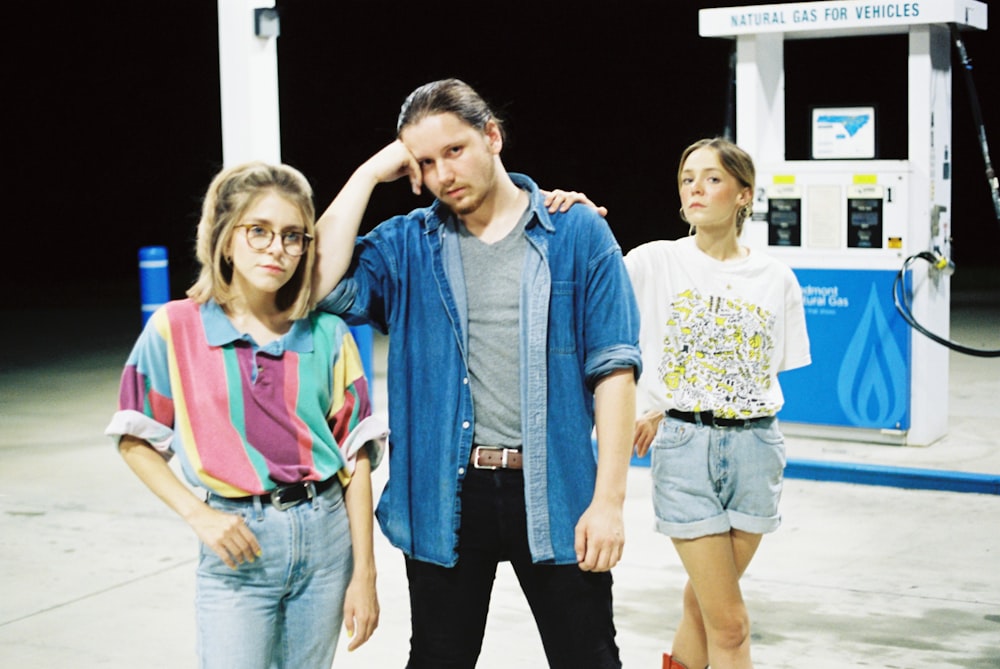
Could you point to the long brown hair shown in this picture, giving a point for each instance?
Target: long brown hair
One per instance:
(447, 96)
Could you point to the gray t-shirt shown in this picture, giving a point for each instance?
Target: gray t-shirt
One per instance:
(493, 285)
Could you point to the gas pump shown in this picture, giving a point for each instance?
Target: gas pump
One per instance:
(846, 220)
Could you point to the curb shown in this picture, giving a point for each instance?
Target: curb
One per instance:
(883, 475)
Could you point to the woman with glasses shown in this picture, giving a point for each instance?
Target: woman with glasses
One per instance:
(265, 404)
(719, 321)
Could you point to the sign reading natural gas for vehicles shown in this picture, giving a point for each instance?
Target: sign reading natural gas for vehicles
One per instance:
(820, 17)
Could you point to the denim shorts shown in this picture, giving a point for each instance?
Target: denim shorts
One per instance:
(709, 480)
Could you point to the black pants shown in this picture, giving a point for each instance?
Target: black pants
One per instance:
(448, 606)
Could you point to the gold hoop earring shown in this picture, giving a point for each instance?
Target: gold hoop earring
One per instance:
(683, 217)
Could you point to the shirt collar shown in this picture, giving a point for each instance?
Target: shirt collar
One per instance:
(220, 331)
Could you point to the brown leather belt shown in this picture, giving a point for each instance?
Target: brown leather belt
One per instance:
(495, 457)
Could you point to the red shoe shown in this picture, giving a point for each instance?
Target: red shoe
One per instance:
(671, 663)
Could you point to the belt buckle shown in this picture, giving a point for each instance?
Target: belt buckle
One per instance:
(480, 449)
(278, 493)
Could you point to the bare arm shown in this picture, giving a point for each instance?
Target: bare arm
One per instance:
(224, 533)
(600, 532)
(361, 610)
(337, 228)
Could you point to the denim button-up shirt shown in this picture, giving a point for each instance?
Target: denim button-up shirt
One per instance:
(578, 323)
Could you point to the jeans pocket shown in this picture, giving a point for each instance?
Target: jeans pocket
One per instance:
(332, 499)
(769, 433)
(211, 565)
(673, 434)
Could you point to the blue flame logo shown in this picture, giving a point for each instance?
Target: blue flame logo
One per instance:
(872, 382)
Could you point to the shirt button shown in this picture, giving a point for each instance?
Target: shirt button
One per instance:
(465, 381)
(461, 470)
(465, 425)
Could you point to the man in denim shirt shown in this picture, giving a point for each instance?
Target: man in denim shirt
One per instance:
(513, 330)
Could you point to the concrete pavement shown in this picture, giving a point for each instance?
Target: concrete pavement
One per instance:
(97, 573)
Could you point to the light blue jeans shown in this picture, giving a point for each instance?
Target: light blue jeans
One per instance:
(283, 611)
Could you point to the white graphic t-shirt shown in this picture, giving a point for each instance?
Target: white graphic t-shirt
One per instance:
(715, 334)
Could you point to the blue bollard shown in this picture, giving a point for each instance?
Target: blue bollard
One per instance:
(154, 279)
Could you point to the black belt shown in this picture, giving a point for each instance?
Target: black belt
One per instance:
(288, 495)
(710, 419)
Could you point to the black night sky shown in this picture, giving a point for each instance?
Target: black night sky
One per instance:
(113, 125)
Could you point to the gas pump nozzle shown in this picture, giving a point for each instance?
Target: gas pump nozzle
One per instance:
(939, 261)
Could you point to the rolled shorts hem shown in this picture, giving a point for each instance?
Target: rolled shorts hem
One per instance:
(720, 524)
(754, 524)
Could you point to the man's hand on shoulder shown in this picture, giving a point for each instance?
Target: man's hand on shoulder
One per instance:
(562, 200)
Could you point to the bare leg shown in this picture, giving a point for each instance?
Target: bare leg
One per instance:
(690, 645)
(715, 626)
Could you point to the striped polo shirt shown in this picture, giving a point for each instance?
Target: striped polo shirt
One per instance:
(244, 418)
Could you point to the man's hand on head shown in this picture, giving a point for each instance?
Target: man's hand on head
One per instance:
(392, 162)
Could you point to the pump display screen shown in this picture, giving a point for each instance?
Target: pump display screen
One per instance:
(784, 217)
(843, 133)
(864, 219)
(864, 230)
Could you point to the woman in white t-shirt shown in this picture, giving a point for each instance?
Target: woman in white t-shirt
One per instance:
(719, 321)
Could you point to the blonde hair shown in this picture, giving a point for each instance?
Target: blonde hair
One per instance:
(735, 161)
(231, 194)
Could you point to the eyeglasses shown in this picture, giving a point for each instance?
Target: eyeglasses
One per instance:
(259, 237)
